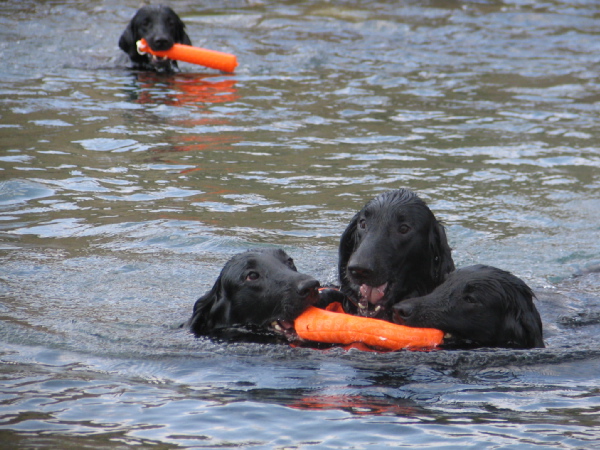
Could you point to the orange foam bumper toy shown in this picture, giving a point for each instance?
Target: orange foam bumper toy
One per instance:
(330, 327)
(194, 55)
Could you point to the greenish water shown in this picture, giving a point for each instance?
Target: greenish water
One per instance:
(122, 194)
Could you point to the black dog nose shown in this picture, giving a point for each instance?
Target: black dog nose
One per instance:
(306, 287)
(402, 312)
(360, 274)
(161, 44)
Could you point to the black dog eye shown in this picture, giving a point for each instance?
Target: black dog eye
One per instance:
(252, 276)
(290, 263)
(362, 224)
(403, 229)
(471, 299)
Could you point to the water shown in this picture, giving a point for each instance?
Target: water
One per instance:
(122, 195)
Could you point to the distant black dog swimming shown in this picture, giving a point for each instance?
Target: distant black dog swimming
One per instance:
(393, 249)
(256, 298)
(479, 306)
(161, 27)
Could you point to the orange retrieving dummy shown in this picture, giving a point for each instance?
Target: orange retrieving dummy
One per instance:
(195, 55)
(319, 325)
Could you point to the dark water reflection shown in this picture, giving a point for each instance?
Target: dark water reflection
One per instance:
(122, 194)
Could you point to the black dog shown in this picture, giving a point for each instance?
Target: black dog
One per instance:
(256, 298)
(161, 27)
(393, 249)
(479, 306)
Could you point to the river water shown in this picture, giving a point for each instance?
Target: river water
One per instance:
(122, 194)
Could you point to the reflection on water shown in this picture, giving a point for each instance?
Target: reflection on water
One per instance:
(181, 89)
(122, 194)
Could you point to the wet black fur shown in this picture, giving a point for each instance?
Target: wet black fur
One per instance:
(394, 238)
(254, 289)
(161, 27)
(481, 306)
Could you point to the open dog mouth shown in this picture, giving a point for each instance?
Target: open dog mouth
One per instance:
(372, 300)
(159, 60)
(284, 328)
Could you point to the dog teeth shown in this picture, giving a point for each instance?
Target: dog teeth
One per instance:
(362, 305)
(447, 336)
(276, 326)
(378, 308)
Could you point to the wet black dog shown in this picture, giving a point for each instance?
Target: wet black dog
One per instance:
(161, 27)
(479, 306)
(256, 298)
(393, 249)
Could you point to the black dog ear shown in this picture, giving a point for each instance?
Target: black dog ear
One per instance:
(442, 262)
(211, 311)
(524, 331)
(127, 41)
(185, 39)
(532, 324)
(182, 36)
(529, 328)
(522, 323)
(347, 246)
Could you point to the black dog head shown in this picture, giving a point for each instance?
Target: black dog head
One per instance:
(394, 248)
(161, 27)
(479, 306)
(258, 292)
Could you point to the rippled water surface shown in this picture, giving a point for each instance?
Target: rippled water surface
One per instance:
(123, 193)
